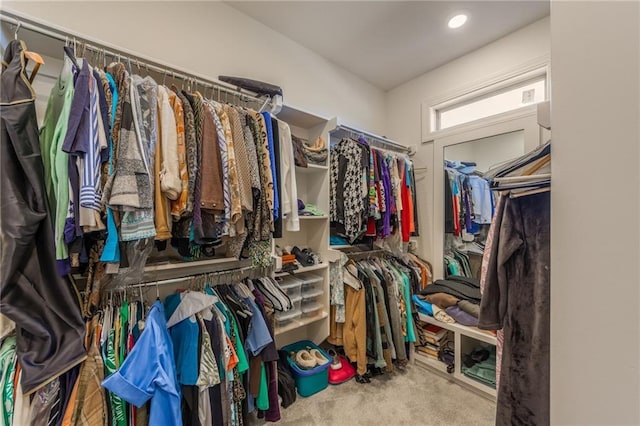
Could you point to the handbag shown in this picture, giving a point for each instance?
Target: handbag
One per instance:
(299, 156)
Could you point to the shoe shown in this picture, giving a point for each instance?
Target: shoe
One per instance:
(335, 360)
(319, 357)
(341, 370)
(303, 257)
(304, 359)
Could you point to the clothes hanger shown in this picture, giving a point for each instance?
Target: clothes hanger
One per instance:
(35, 57)
(351, 279)
(529, 192)
(71, 53)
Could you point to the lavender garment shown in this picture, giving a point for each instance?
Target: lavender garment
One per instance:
(461, 316)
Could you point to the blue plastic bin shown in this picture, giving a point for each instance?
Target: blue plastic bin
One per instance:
(314, 380)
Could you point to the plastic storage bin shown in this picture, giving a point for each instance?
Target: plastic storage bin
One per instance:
(311, 285)
(291, 286)
(311, 308)
(312, 381)
(286, 317)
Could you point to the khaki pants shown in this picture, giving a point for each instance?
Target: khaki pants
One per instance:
(354, 332)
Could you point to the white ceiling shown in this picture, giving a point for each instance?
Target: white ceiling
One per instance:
(390, 42)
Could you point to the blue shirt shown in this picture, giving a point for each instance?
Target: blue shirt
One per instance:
(258, 335)
(111, 251)
(149, 372)
(184, 336)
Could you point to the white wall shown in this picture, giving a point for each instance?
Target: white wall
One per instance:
(595, 239)
(404, 102)
(211, 38)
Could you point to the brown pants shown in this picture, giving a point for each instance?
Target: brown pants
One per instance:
(355, 328)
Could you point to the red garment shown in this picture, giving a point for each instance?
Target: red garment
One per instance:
(371, 227)
(456, 216)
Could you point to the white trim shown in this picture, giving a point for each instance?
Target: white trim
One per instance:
(504, 78)
(524, 112)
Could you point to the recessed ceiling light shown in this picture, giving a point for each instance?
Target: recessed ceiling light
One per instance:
(458, 21)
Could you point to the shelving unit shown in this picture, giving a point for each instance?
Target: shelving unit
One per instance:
(464, 339)
(432, 363)
(313, 187)
(473, 332)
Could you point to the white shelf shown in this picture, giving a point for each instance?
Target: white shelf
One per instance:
(476, 384)
(299, 117)
(340, 246)
(304, 269)
(311, 268)
(311, 168)
(295, 324)
(472, 332)
(430, 362)
(313, 217)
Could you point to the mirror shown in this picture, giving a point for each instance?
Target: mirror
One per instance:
(468, 201)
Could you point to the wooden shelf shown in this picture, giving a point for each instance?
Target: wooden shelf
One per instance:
(295, 324)
(472, 332)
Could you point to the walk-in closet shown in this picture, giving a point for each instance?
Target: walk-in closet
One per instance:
(319, 213)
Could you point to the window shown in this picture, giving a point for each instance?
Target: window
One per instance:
(509, 95)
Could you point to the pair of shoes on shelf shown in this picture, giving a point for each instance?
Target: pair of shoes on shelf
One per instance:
(309, 358)
(305, 256)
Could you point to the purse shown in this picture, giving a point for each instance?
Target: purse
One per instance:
(299, 156)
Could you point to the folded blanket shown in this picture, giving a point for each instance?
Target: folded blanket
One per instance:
(443, 300)
(461, 316)
(441, 315)
(460, 287)
(471, 308)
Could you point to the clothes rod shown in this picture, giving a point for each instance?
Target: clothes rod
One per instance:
(115, 52)
(374, 138)
(206, 275)
(367, 254)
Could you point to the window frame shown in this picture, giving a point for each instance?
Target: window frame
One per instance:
(488, 87)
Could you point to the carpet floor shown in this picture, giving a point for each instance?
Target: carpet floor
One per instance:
(416, 396)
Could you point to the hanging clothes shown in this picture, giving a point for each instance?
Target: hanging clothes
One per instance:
(516, 300)
(378, 320)
(156, 382)
(372, 194)
(49, 326)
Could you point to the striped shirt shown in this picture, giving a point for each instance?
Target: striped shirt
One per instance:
(90, 193)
